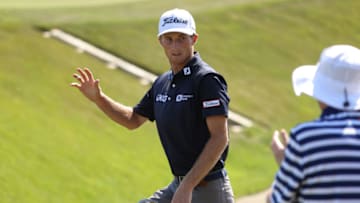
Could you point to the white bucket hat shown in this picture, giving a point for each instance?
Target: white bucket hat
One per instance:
(176, 20)
(335, 80)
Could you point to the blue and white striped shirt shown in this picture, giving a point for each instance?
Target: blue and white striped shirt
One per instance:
(322, 161)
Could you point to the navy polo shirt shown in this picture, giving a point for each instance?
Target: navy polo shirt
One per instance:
(180, 104)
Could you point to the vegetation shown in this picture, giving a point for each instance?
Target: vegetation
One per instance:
(55, 146)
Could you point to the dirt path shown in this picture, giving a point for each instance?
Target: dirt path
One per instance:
(255, 198)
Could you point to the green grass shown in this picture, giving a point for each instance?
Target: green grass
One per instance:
(55, 146)
(55, 13)
(26, 4)
(255, 47)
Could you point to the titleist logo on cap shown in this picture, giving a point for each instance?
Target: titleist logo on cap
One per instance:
(172, 19)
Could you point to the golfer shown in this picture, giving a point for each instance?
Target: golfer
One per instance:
(190, 105)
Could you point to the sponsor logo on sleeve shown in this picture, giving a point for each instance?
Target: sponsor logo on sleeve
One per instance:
(211, 103)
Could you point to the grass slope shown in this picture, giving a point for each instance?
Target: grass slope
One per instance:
(25, 4)
(57, 147)
(255, 47)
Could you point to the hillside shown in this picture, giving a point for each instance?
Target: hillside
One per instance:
(255, 46)
(55, 146)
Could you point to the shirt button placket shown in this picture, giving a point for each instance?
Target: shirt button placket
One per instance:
(173, 86)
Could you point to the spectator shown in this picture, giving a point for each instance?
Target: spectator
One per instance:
(320, 160)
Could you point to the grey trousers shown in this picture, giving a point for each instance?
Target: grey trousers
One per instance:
(215, 191)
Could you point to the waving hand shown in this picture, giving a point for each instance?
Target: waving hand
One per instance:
(87, 84)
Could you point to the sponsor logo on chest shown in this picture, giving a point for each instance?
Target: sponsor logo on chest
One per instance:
(183, 97)
(163, 98)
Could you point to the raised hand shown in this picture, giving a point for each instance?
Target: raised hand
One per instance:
(87, 84)
(278, 144)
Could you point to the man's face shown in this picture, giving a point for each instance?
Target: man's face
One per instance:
(178, 47)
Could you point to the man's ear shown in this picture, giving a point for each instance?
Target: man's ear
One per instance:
(195, 37)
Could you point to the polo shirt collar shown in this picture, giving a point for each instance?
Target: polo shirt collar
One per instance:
(331, 111)
(190, 67)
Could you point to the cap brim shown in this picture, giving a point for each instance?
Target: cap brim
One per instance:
(185, 31)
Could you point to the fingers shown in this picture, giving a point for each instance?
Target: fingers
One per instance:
(284, 136)
(277, 147)
(97, 82)
(276, 142)
(79, 78)
(74, 84)
(85, 80)
(280, 139)
(84, 76)
(276, 139)
(89, 74)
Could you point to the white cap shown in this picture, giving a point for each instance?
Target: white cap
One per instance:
(177, 20)
(335, 80)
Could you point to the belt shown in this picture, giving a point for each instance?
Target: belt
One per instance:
(211, 176)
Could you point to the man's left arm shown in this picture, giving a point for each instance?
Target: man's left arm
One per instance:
(211, 153)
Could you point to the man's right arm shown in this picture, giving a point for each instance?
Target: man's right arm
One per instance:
(121, 114)
(90, 88)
